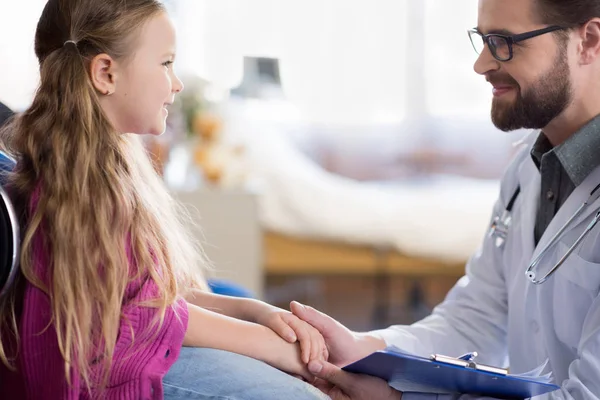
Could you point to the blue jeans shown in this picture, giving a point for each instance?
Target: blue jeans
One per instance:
(201, 373)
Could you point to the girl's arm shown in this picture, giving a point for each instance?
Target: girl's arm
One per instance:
(235, 307)
(209, 329)
(283, 322)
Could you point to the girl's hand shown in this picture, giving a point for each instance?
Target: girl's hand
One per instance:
(284, 356)
(292, 329)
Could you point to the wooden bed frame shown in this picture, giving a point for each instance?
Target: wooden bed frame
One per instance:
(296, 257)
(286, 255)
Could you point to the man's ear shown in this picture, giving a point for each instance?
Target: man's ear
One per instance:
(102, 72)
(589, 46)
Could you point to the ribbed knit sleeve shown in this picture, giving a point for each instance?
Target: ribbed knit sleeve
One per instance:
(40, 362)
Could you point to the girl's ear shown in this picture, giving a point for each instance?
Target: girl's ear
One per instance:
(102, 72)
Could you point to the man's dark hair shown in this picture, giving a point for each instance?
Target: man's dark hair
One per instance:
(5, 114)
(567, 13)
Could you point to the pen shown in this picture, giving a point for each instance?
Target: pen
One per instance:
(468, 357)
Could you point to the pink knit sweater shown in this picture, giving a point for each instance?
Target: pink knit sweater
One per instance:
(138, 366)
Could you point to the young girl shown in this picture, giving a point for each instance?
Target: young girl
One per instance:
(111, 287)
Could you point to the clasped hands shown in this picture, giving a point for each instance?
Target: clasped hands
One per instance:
(326, 346)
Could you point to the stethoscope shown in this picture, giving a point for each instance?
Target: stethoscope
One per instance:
(501, 225)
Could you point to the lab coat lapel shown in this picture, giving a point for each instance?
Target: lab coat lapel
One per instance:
(575, 200)
(530, 181)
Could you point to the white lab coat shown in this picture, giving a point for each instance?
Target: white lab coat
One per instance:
(497, 312)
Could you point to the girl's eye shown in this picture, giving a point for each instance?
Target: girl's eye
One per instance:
(167, 63)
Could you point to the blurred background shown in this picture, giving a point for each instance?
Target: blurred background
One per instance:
(335, 152)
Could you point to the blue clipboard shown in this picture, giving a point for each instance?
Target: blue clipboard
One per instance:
(409, 373)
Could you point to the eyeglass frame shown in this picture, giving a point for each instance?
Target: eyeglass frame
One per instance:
(510, 39)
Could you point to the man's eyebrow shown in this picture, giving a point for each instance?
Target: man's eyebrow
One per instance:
(505, 32)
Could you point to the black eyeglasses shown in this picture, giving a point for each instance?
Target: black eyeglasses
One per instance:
(501, 46)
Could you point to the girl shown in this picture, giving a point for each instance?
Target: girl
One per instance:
(111, 287)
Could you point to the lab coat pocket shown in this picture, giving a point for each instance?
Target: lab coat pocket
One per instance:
(578, 270)
(575, 286)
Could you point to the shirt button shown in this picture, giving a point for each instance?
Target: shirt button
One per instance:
(550, 195)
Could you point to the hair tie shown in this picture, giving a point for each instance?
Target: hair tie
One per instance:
(70, 41)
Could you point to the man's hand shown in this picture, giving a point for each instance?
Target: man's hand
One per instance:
(292, 329)
(344, 346)
(342, 385)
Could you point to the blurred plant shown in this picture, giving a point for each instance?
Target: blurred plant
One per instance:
(191, 103)
(196, 123)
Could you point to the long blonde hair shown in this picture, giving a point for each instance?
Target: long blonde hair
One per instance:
(98, 192)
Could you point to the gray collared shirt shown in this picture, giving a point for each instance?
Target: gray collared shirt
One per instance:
(563, 168)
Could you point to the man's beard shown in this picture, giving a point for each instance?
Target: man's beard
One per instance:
(536, 107)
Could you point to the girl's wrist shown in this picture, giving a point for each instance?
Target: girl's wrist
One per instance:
(249, 309)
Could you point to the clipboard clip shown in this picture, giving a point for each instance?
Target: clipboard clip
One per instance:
(468, 361)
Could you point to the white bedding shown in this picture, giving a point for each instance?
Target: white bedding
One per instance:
(440, 217)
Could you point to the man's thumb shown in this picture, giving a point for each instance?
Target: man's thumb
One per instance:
(331, 373)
